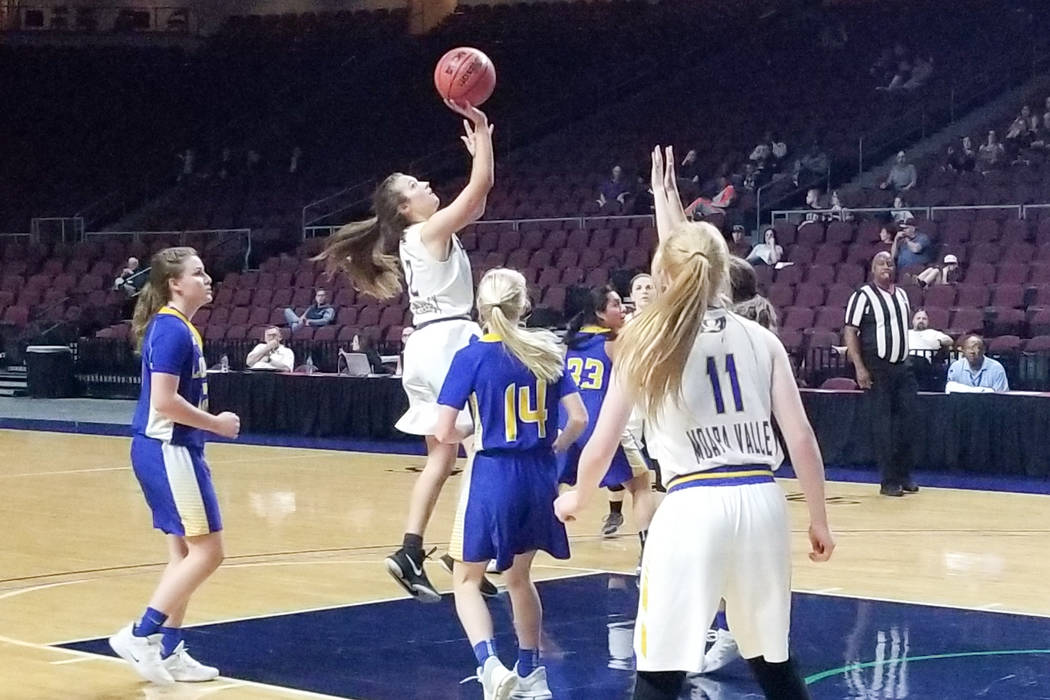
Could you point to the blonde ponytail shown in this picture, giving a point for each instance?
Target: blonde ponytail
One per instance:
(653, 350)
(165, 264)
(502, 301)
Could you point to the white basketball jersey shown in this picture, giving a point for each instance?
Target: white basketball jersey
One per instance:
(724, 414)
(436, 288)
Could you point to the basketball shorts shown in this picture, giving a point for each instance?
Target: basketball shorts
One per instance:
(506, 508)
(428, 356)
(176, 482)
(627, 463)
(709, 542)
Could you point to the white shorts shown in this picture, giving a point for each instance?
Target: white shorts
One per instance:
(707, 543)
(428, 356)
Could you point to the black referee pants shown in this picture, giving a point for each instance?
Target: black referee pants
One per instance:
(892, 403)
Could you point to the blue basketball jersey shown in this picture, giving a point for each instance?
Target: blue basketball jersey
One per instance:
(590, 367)
(513, 410)
(172, 345)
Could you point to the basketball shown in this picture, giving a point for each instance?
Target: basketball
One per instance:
(465, 75)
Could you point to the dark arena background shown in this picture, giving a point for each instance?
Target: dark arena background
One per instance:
(814, 135)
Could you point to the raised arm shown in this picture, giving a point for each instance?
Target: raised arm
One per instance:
(469, 206)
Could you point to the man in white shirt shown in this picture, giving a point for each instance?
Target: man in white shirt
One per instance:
(271, 354)
(923, 340)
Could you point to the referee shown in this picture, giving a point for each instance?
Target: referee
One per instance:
(876, 331)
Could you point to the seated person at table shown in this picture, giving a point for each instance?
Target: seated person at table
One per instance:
(271, 353)
(975, 370)
(320, 313)
(364, 343)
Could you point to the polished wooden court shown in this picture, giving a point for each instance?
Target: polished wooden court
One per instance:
(308, 529)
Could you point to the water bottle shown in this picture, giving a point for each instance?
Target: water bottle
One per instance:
(310, 366)
(224, 363)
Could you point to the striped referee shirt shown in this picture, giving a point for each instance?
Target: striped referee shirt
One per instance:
(882, 318)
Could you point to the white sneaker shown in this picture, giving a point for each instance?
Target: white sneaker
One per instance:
(533, 686)
(187, 669)
(497, 680)
(143, 653)
(721, 652)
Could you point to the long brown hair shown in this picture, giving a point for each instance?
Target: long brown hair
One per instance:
(362, 249)
(654, 347)
(165, 265)
(502, 301)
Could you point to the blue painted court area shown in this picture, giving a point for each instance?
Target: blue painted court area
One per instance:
(846, 648)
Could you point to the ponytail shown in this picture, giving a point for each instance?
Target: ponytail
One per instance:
(655, 346)
(361, 250)
(358, 251)
(165, 265)
(502, 302)
(147, 305)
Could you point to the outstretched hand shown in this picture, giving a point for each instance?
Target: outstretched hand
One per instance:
(469, 138)
(475, 115)
(674, 200)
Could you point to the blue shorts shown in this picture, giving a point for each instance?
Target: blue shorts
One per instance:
(506, 508)
(622, 469)
(177, 485)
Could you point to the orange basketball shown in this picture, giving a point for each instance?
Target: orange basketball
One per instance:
(465, 75)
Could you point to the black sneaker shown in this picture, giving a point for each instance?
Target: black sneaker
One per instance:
(910, 487)
(891, 490)
(611, 524)
(488, 589)
(410, 574)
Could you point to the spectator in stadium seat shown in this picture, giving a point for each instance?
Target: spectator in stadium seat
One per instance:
(130, 280)
(320, 313)
(973, 369)
(689, 170)
(767, 252)
(911, 246)
(991, 154)
(295, 161)
(702, 206)
(921, 73)
(186, 159)
(899, 213)
(948, 273)
(616, 188)
(923, 340)
(364, 343)
(271, 353)
(226, 167)
(963, 158)
(902, 175)
(738, 243)
(813, 163)
(745, 297)
(642, 200)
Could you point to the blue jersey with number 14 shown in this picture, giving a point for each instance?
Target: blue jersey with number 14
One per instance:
(513, 410)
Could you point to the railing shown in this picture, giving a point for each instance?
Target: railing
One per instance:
(344, 200)
(1022, 210)
(222, 237)
(515, 224)
(1024, 371)
(94, 19)
(67, 229)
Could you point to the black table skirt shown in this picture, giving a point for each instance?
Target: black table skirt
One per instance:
(318, 405)
(1007, 434)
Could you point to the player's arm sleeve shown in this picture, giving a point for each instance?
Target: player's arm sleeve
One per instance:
(459, 382)
(566, 385)
(171, 348)
(855, 308)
